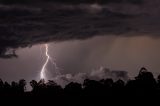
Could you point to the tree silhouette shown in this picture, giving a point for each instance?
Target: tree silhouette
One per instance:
(158, 81)
(144, 86)
(34, 85)
(145, 79)
(22, 85)
(73, 88)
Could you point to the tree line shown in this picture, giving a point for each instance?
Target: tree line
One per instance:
(144, 85)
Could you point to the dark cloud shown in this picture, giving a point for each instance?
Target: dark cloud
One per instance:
(24, 24)
(71, 1)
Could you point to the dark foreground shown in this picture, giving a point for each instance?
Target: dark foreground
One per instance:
(142, 90)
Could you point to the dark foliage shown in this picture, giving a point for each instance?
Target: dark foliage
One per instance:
(142, 88)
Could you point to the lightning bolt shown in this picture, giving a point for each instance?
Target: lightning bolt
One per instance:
(42, 75)
(44, 69)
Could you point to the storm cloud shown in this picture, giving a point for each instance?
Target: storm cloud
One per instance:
(26, 23)
(71, 1)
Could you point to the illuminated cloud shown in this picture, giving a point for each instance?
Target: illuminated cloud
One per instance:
(102, 73)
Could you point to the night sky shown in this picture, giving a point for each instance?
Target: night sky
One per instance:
(87, 38)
